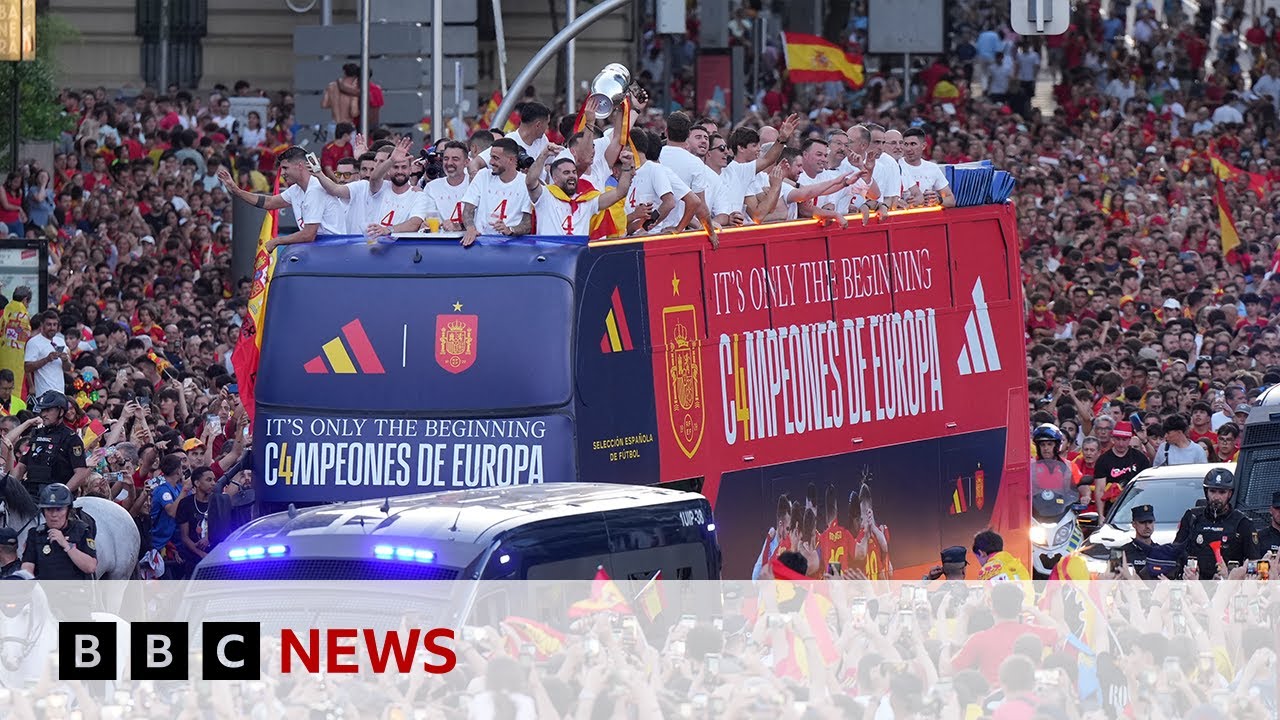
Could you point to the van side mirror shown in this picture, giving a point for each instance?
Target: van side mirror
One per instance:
(1088, 522)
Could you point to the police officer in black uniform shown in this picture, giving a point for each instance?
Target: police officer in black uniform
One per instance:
(1269, 537)
(56, 454)
(1217, 521)
(63, 546)
(9, 562)
(1144, 526)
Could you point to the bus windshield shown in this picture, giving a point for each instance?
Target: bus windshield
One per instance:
(426, 345)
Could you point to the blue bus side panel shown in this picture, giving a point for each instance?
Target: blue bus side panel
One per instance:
(615, 409)
(929, 495)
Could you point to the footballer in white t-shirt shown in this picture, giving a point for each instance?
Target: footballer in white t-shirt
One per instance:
(923, 181)
(557, 216)
(497, 202)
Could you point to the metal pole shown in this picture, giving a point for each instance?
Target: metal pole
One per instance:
(548, 51)
(906, 78)
(437, 68)
(570, 55)
(364, 68)
(13, 116)
(502, 45)
(326, 12)
(457, 97)
(164, 48)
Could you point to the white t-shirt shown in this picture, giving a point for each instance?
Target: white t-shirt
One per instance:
(315, 206)
(1168, 454)
(736, 180)
(690, 169)
(49, 376)
(555, 218)
(362, 208)
(495, 200)
(446, 199)
(678, 190)
(888, 176)
(395, 208)
(805, 180)
(600, 170)
(532, 150)
(927, 174)
(648, 185)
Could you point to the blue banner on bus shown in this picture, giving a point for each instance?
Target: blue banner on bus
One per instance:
(323, 459)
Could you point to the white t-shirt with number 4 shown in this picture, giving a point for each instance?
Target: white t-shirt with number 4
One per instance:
(396, 208)
(446, 199)
(497, 201)
(650, 183)
(314, 206)
(554, 217)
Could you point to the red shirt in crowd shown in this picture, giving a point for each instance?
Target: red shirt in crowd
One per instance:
(333, 152)
(987, 649)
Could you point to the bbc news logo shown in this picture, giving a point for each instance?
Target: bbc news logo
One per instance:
(233, 651)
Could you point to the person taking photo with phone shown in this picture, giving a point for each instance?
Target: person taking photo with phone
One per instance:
(46, 358)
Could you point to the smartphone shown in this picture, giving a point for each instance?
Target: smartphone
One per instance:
(833, 569)
(908, 594)
(1115, 560)
(527, 650)
(313, 162)
(677, 648)
(214, 423)
(593, 645)
(144, 401)
(1047, 678)
(1264, 569)
(233, 388)
(713, 663)
(1175, 598)
(687, 621)
(1251, 568)
(858, 609)
(1179, 624)
(922, 596)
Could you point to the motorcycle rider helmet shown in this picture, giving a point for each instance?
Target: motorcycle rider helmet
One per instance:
(55, 495)
(1219, 479)
(1048, 431)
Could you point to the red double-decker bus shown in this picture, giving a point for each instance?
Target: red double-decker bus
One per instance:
(857, 394)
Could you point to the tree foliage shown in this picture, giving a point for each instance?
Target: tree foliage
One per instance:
(39, 113)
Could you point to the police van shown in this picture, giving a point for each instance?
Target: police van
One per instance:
(554, 531)
(1258, 465)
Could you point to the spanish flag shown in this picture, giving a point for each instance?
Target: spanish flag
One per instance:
(650, 597)
(814, 59)
(1226, 172)
(16, 325)
(546, 640)
(605, 597)
(246, 355)
(1226, 221)
(91, 432)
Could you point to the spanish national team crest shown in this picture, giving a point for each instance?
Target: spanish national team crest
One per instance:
(684, 376)
(455, 340)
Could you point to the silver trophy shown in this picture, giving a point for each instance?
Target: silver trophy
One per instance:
(608, 89)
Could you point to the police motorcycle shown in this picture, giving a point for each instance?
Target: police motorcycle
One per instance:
(1054, 531)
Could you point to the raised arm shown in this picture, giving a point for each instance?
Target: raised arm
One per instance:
(400, 152)
(533, 176)
(785, 131)
(625, 173)
(334, 188)
(268, 202)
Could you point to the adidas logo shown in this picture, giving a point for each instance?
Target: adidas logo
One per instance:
(979, 354)
(335, 352)
(617, 336)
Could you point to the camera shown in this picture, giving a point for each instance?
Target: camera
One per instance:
(433, 167)
(524, 161)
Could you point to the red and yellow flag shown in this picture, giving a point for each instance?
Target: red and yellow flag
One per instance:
(650, 598)
(1226, 221)
(546, 640)
(814, 59)
(1226, 172)
(246, 355)
(605, 597)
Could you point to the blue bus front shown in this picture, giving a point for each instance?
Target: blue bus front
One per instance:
(414, 367)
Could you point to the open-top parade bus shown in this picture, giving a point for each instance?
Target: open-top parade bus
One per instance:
(873, 375)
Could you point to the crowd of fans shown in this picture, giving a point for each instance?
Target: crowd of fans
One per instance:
(867, 651)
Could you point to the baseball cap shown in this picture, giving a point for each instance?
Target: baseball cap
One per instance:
(955, 554)
(1242, 408)
(191, 444)
(1144, 513)
(1123, 429)
(1171, 304)
(8, 537)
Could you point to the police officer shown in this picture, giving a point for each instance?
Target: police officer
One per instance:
(1217, 522)
(1269, 537)
(1144, 526)
(62, 547)
(56, 454)
(9, 562)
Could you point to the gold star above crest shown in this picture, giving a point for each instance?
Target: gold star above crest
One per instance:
(675, 283)
(457, 307)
